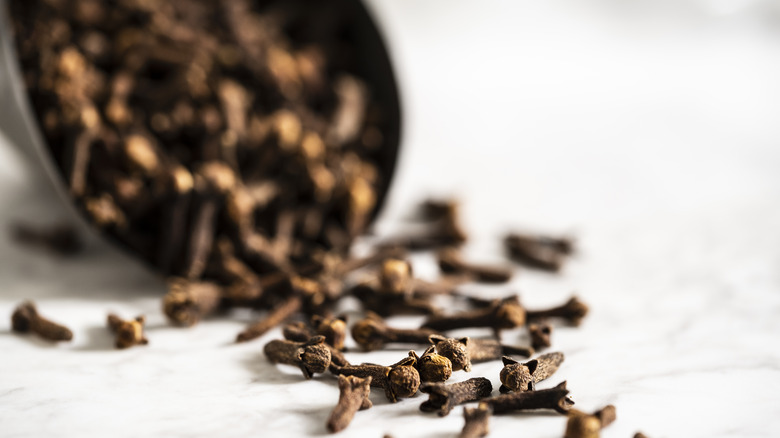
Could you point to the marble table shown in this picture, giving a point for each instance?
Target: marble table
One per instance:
(647, 129)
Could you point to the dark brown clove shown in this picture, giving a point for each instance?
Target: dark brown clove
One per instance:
(540, 335)
(462, 352)
(128, 333)
(505, 314)
(516, 376)
(353, 396)
(640, 435)
(61, 239)
(301, 332)
(372, 333)
(540, 252)
(477, 422)
(432, 367)
(555, 399)
(573, 312)
(582, 425)
(283, 311)
(26, 319)
(333, 328)
(450, 262)
(400, 380)
(442, 398)
(312, 356)
(187, 302)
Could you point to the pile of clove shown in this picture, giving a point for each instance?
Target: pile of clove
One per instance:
(235, 148)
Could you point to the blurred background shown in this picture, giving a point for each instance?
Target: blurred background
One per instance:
(647, 129)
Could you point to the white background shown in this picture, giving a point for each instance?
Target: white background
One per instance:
(648, 129)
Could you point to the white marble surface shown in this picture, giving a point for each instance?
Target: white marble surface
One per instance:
(648, 129)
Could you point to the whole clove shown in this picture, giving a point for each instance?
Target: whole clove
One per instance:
(582, 425)
(187, 302)
(372, 333)
(353, 396)
(572, 312)
(128, 332)
(462, 352)
(477, 422)
(505, 314)
(27, 319)
(432, 367)
(540, 335)
(553, 399)
(400, 380)
(312, 357)
(442, 398)
(275, 317)
(516, 376)
(450, 262)
(61, 239)
(539, 252)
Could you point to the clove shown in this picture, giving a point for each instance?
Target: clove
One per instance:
(274, 318)
(400, 380)
(462, 352)
(372, 333)
(61, 239)
(442, 398)
(504, 314)
(477, 422)
(555, 399)
(353, 396)
(540, 252)
(128, 333)
(312, 357)
(26, 319)
(187, 302)
(582, 425)
(573, 312)
(450, 262)
(432, 367)
(519, 377)
(540, 335)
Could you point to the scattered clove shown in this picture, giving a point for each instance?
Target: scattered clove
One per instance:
(462, 352)
(187, 302)
(61, 239)
(312, 357)
(128, 333)
(582, 425)
(573, 312)
(519, 377)
(477, 422)
(504, 314)
(540, 252)
(555, 399)
(540, 335)
(432, 367)
(372, 333)
(274, 318)
(450, 262)
(26, 319)
(400, 380)
(353, 396)
(442, 398)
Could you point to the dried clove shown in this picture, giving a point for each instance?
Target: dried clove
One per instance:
(477, 422)
(516, 376)
(505, 314)
(442, 398)
(555, 399)
(462, 352)
(450, 262)
(26, 319)
(312, 356)
(540, 252)
(540, 335)
(573, 312)
(61, 239)
(582, 425)
(274, 318)
(372, 333)
(400, 380)
(432, 367)
(333, 328)
(353, 396)
(128, 333)
(187, 302)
